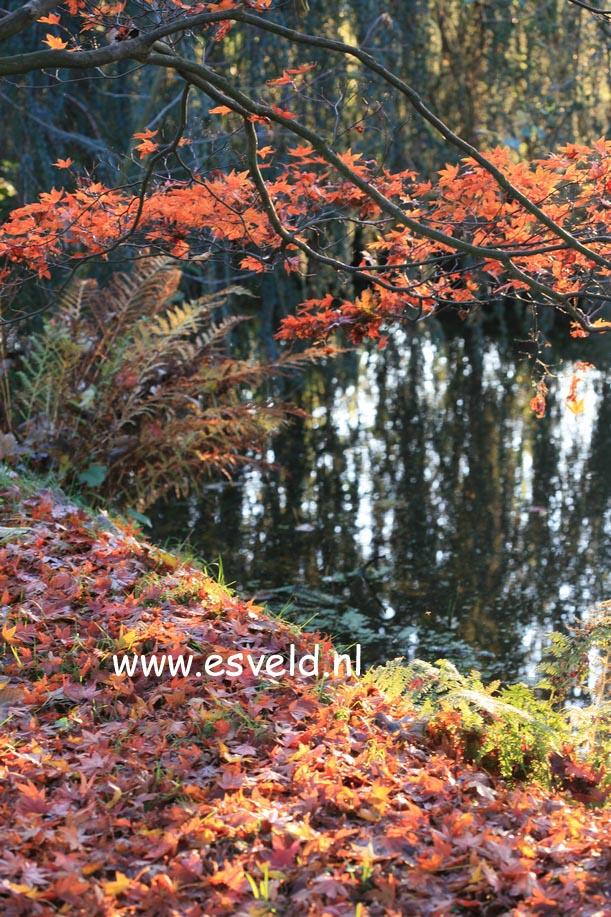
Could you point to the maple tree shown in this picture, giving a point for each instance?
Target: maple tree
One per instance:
(487, 228)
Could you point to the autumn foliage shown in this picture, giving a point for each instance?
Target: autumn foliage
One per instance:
(129, 796)
(485, 229)
(409, 276)
(238, 796)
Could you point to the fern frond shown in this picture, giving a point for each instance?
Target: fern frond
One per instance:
(216, 332)
(510, 729)
(220, 297)
(74, 301)
(176, 322)
(51, 360)
(128, 298)
(138, 384)
(145, 291)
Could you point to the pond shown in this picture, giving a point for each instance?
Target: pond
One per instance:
(423, 509)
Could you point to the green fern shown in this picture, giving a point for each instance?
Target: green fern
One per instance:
(508, 729)
(578, 665)
(51, 360)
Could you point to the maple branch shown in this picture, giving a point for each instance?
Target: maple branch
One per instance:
(409, 93)
(209, 80)
(543, 289)
(416, 101)
(15, 22)
(20, 64)
(592, 9)
(171, 147)
(138, 48)
(135, 48)
(148, 48)
(290, 238)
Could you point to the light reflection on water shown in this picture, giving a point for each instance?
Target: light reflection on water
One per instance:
(424, 511)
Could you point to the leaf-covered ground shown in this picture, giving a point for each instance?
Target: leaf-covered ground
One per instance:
(241, 796)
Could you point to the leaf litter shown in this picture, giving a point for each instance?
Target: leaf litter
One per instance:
(235, 796)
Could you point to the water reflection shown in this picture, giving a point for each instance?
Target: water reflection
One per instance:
(424, 511)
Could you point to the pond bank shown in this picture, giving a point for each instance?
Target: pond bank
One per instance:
(235, 795)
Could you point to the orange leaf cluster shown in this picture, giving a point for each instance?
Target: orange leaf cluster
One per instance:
(416, 275)
(289, 76)
(538, 403)
(99, 15)
(146, 145)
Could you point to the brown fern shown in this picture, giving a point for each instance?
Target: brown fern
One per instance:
(129, 390)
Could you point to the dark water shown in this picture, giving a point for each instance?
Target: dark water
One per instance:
(424, 511)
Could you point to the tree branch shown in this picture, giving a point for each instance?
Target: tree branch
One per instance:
(606, 14)
(206, 79)
(15, 22)
(137, 48)
(147, 48)
(412, 96)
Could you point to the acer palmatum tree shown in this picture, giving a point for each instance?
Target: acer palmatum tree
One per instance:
(486, 228)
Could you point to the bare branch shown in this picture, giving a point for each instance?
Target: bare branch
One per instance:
(15, 22)
(592, 9)
(82, 140)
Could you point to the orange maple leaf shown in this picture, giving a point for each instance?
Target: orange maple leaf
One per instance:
(288, 76)
(250, 263)
(281, 80)
(231, 875)
(146, 147)
(120, 884)
(283, 112)
(574, 404)
(577, 331)
(63, 163)
(55, 42)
